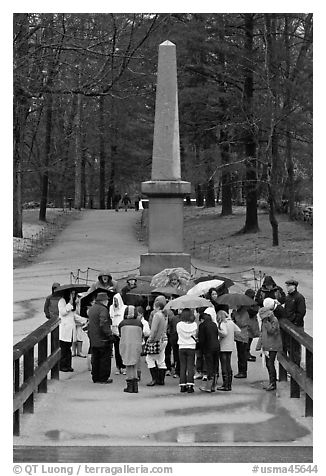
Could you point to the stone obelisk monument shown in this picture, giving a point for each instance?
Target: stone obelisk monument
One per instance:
(165, 190)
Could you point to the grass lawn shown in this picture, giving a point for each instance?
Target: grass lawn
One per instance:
(211, 237)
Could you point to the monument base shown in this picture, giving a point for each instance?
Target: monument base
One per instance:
(153, 263)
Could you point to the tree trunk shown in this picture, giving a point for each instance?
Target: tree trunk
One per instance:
(251, 224)
(20, 112)
(226, 176)
(272, 217)
(78, 156)
(199, 195)
(102, 153)
(47, 154)
(210, 194)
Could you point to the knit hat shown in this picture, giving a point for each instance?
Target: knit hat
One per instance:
(161, 299)
(269, 303)
(101, 297)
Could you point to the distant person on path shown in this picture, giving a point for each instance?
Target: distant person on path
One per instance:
(131, 337)
(242, 320)
(187, 333)
(269, 289)
(100, 336)
(126, 201)
(227, 330)
(116, 200)
(158, 326)
(51, 309)
(253, 324)
(270, 342)
(137, 200)
(117, 312)
(104, 281)
(295, 310)
(67, 329)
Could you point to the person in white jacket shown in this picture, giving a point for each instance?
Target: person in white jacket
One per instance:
(187, 333)
(116, 311)
(67, 328)
(227, 328)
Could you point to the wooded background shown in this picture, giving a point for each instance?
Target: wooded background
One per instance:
(84, 98)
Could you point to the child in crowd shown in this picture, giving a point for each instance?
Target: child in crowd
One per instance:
(187, 331)
(227, 329)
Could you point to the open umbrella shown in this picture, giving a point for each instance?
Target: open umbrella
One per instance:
(168, 291)
(86, 300)
(163, 277)
(204, 286)
(79, 288)
(142, 288)
(234, 300)
(185, 301)
(227, 281)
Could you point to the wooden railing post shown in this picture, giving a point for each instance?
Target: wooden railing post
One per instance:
(42, 356)
(28, 406)
(294, 386)
(309, 371)
(16, 422)
(54, 346)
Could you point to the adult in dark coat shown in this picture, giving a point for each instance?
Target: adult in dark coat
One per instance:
(131, 299)
(295, 310)
(253, 323)
(116, 200)
(100, 336)
(210, 346)
(214, 293)
(51, 309)
(126, 201)
(269, 289)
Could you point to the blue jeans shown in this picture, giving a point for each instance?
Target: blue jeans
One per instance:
(187, 366)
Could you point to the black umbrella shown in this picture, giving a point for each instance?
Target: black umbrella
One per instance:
(234, 300)
(227, 282)
(86, 300)
(79, 288)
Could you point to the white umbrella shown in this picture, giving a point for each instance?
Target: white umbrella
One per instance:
(191, 302)
(204, 286)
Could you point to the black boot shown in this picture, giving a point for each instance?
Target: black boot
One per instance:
(135, 385)
(154, 375)
(229, 382)
(138, 375)
(223, 387)
(161, 376)
(129, 388)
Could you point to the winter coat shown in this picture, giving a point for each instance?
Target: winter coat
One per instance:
(117, 313)
(275, 293)
(253, 330)
(67, 327)
(158, 327)
(131, 337)
(126, 200)
(226, 331)
(99, 325)
(295, 308)
(131, 299)
(172, 327)
(51, 309)
(270, 331)
(242, 320)
(187, 335)
(111, 285)
(208, 335)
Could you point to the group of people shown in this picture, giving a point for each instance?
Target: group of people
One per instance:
(187, 344)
